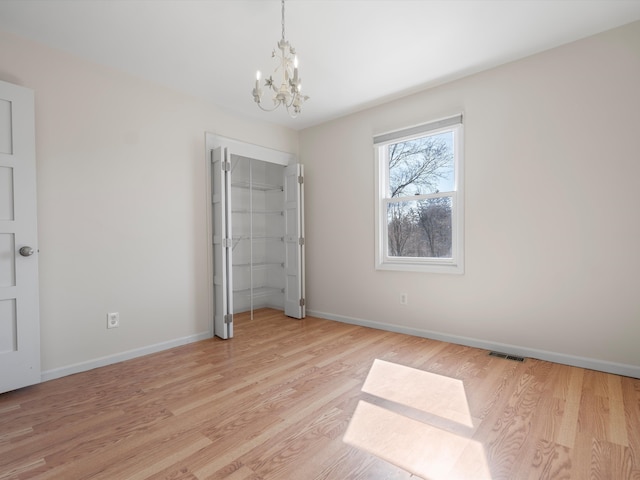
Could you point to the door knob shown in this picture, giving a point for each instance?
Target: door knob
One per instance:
(26, 251)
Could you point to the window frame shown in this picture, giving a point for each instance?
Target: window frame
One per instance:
(383, 261)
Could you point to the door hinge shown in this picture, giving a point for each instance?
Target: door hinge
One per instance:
(228, 318)
(302, 302)
(226, 166)
(301, 241)
(226, 243)
(300, 179)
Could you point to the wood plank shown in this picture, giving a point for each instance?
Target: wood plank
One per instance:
(617, 420)
(571, 411)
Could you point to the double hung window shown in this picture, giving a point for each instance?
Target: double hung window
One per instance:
(419, 198)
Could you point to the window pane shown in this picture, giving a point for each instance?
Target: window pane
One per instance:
(420, 228)
(421, 166)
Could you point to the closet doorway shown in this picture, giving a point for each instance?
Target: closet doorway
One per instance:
(256, 231)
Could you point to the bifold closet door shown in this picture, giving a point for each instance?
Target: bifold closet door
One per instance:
(294, 302)
(222, 251)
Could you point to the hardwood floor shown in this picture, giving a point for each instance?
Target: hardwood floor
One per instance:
(316, 399)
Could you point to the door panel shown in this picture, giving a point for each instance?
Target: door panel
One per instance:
(6, 143)
(6, 193)
(19, 310)
(8, 326)
(7, 260)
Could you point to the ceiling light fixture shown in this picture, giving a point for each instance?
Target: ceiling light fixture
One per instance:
(288, 94)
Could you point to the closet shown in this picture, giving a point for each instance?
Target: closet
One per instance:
(257, 231)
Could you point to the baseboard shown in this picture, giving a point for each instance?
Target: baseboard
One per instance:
(583, 362)
(120, 357)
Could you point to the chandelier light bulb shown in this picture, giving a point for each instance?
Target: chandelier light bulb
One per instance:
(257, 83)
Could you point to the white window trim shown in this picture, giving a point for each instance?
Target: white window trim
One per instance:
(454, 265)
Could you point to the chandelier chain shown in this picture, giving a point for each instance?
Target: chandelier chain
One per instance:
(283, 20)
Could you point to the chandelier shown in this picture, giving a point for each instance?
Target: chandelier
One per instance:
(288, 93)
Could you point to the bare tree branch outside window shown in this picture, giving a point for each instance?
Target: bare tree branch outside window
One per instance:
(421, 227)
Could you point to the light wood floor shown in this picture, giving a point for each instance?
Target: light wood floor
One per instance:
(279, 400)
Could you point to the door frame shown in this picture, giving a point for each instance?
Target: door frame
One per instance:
(244, 149)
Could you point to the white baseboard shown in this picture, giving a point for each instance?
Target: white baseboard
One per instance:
(583, 362)
(120, 357)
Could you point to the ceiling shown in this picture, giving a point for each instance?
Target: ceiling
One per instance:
(353, 53)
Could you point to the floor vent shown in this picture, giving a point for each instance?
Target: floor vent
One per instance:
(506, 356)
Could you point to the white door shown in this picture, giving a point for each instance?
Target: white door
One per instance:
(19, 311)
(294, 300)
(222, 251)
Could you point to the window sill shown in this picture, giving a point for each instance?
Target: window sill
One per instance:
(450, 268)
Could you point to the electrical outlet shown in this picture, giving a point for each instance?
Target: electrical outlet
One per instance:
(404, 299)
(113, 320)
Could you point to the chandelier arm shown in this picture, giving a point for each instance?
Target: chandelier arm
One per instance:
(288, 106)
(268, 109)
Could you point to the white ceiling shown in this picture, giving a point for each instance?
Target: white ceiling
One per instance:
(353, 53)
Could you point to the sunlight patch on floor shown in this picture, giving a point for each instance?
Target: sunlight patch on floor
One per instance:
(425, 391)
(418, 421)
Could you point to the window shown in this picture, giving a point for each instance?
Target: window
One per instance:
(419, 198)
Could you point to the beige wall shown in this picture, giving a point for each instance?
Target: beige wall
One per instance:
(552, 153)
(121, 205)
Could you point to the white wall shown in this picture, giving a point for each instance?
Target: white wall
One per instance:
(552, 190)
(121, 205)
(552, 153)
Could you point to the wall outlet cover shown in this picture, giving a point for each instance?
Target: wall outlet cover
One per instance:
(113, 320)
